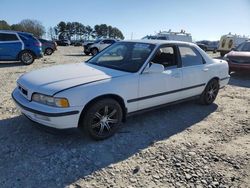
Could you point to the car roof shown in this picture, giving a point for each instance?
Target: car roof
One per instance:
(159, 42)
(14, 32)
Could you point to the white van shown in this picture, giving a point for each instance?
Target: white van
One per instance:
(169, 35)
(229, 41)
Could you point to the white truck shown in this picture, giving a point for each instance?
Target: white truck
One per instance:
(229, 41)
(170, 35)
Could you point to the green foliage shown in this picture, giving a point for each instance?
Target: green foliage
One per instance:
(69, 30)
(104, 30)
(4, 25)
(76, 30)
(27, 25)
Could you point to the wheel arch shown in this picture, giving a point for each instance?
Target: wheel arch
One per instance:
(214, 78)
(115, 97)
(49, 48)
(94, 48)
(25, 50)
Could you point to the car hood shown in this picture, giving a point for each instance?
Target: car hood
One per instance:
(239, 57)
(54, 79)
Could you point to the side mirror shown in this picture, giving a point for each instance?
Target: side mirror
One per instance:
(155, 68)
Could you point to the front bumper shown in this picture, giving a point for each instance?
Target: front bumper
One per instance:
(239, 67)
(59, 118)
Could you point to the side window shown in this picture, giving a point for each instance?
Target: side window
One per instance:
(190, 56)
(165, 56)
(8, 37)
(108, 41)
(105, 42)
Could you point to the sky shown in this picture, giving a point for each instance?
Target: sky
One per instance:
(204, 19)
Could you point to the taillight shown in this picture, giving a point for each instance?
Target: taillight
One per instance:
(38, 44)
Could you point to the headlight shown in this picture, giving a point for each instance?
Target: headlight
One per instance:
(225, 58)
(50, 101)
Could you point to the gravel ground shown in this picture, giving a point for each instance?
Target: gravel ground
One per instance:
(184, 145)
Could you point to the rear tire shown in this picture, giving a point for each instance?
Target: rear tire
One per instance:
(48, 51)
(26, 57)
(210, 93)
(222, 54)
(102, 119)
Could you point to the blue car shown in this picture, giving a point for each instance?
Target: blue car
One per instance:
(19, 46)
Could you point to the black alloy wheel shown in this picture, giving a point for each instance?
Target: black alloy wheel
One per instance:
(103, 119)
(210, 93)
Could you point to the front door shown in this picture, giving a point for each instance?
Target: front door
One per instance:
(161, 88)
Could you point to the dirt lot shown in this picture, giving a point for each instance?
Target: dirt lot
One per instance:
(185, 145)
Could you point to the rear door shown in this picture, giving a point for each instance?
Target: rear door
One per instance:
(10, 46)
(195, 71)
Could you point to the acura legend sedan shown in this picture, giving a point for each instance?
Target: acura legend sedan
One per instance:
(128, 76)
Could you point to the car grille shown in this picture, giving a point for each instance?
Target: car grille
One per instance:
(241, 61)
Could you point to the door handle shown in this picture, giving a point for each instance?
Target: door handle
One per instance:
(205, 69)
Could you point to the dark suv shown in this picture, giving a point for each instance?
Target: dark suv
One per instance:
(19, 46)
(48, 46)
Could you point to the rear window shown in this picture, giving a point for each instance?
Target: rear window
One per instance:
(8, 37)
(26, 37)
(190, 56)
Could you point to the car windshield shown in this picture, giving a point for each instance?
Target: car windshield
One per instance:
(124, 56)
(245, 47)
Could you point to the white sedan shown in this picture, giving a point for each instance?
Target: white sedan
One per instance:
(127, 77)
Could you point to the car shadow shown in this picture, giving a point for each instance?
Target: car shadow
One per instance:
(33, 157)
(240, 79)
(11, 64)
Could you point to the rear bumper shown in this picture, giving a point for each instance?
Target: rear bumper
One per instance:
(39, 54)
(57, 118)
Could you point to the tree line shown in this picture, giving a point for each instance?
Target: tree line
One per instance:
(27, 25)
(65, 30)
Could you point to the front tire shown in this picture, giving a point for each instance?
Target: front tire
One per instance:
(94, 51)
(210, 93)
(102, 119)
(27, 58)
